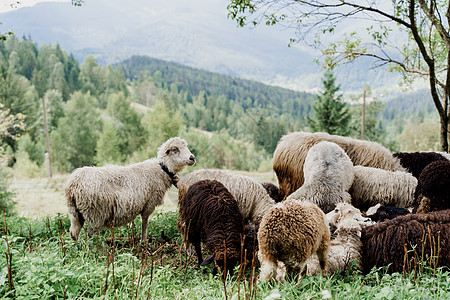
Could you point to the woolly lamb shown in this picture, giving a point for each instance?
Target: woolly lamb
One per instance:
(328, 176)
(372, 186)
(345, 211)
(112, 196)
(273, 191)
(380, 213)
(415, 162)
(346, 247)
(433, 188)
(387, 243)
(290, 232)
(212, 216)
(292, 149)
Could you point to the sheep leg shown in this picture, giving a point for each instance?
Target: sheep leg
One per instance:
(144, 218)
(198, 250)
(75, 226)
(268, 267)
(322, 254)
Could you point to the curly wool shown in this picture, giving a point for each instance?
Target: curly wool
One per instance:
(253, 200)
(112, 196)
(328, 176)
(291, 151)
(415, 162)
(385, 243)
(433, 188)
(372, 186)
(212, 216)
(290, 232)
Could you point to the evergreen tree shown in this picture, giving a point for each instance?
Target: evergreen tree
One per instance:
(330, 112)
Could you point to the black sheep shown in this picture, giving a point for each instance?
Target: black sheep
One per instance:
(379, 213)
(273, 191)
(433, 188)
(415, 162)
(212, 216)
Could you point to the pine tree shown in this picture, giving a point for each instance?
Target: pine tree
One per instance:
(330, 112)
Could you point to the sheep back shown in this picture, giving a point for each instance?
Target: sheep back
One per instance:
(415, 162)
(328, 173)
(115, 195)
(292, 149)
(253, 200)
(385, 243)
(434, 187)
(372, 186)
(291, 232)
(212, 215)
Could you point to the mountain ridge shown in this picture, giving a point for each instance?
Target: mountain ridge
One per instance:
(196, 34)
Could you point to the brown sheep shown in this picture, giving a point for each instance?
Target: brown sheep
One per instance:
(385, 243)
(290, 232)
(212, 216)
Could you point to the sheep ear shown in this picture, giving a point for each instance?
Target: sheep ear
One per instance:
(207, 261)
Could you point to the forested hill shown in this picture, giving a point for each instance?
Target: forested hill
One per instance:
(251, 93)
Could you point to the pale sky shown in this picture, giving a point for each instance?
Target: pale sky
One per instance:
(10, 5)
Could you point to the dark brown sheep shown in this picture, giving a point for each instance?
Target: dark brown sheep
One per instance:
(415, 162)
(385, 243)
(433, 188)
(212, 216)
(273, 191)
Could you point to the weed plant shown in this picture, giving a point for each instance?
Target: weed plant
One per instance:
(46, 264)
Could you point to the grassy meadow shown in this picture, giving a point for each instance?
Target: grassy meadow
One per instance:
(40, 261)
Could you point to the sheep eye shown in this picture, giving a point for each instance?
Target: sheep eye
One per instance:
(336, 210)
(175, 150)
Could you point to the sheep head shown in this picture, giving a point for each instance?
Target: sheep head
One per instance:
(175, 154)
(343, 211)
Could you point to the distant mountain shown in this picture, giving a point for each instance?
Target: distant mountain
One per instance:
(195, 33)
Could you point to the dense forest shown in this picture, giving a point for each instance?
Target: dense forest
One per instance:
(120, 114)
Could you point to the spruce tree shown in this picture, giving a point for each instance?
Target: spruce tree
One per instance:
(330, 112)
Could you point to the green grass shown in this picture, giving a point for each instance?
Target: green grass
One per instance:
(47, 264)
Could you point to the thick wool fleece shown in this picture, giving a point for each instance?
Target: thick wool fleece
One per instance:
(290, 232)
(433, 188)
(387, 242)
(112, 196)
(253, 200)
(415, 162)
(291, 151)
(372, 186)
(212, 216)
(328, 176)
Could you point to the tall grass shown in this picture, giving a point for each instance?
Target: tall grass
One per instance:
(44, 263)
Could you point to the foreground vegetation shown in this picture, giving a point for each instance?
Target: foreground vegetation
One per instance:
(43, 262)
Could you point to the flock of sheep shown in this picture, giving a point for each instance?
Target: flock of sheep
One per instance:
(338, 201)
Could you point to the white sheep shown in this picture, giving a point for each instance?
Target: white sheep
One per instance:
(372, 186)
(328, 173)
(112, 196)
(289, 233)
(344, 249)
